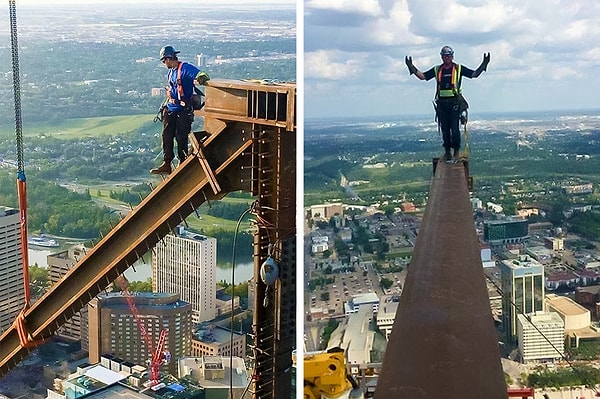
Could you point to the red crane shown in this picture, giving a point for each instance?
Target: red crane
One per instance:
(521, 392)
(159, 356)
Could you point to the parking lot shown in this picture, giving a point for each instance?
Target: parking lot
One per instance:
(331, 297)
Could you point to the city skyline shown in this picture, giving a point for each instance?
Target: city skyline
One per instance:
(541, 59)
(351, 73)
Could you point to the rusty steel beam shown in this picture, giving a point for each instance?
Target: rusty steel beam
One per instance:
(443, 342)
(224, 159)
(273, 181)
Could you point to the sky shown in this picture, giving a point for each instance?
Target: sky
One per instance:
(100, 2)
(545, 55)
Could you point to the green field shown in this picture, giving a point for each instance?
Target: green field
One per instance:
(199, 222)
(120, 125)
(80, 128)
(207, 223)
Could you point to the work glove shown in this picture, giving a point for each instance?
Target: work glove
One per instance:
(411, 68)
(202, 78)
(486, 61)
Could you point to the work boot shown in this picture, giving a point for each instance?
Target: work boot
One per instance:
(447, 155)
(456, 153)
(163, 169)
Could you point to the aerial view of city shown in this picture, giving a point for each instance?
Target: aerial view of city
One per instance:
(533, 208)
(316, 237)
(116, 281)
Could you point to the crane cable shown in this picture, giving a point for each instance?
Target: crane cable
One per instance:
(25, 337)
(21, 187)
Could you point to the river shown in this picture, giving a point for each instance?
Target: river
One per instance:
(143, 271)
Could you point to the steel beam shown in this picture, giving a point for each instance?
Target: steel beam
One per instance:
(249, 133)
(443, 342)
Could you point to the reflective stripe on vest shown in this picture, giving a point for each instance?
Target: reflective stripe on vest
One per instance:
(454, 81)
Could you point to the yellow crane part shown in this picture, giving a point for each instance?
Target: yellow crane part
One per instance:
(326, 376)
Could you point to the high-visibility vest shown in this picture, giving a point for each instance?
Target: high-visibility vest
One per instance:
(455, 89)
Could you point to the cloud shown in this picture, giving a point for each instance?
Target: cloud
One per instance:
(331, 65)
(548, 49)
(363, 7)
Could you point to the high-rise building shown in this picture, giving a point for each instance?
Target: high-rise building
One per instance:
(509, 231)
(201, 60)
(187, 264)
(522, 281)
(215, 340)
(114, 330)
(59, 264)
(12, 289)
(541, 337)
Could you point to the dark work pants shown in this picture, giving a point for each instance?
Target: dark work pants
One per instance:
(448, 118)
(176, 126)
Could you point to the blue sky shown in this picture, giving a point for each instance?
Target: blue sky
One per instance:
(545, 55)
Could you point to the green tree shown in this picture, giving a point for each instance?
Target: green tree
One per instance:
(327, 331)
(39, 274)
(141, 286)
(385, 283)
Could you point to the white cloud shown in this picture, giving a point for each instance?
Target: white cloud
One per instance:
(332, 65)
(456, 17)
(393, 28)
(537, 48)
(366, 7)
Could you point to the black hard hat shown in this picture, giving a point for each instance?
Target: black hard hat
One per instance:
(168, 52)
(446, 50)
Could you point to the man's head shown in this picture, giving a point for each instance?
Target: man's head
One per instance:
(447, 53)
(167, 54)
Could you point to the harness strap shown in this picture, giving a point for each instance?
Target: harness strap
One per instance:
(180, 94)
(179, 85)
(456, 69)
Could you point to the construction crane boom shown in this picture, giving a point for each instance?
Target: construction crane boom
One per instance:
(157, 358)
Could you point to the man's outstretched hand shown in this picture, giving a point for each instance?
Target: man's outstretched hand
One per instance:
(486, 61)
(411, 68)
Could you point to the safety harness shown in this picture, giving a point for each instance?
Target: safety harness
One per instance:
(455, 89)
(180, 95)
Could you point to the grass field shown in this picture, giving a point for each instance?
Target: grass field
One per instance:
(96, 127)
(84, 127)
(207, 223)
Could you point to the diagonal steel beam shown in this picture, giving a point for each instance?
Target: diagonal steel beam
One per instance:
(443, 342)
(225, 162)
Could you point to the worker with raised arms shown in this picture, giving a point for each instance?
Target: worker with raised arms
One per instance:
(449, 103)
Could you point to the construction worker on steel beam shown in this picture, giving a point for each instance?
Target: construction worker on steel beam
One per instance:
(449, 103)
(177, 112)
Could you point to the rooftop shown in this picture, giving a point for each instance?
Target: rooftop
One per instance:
(565, 305)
